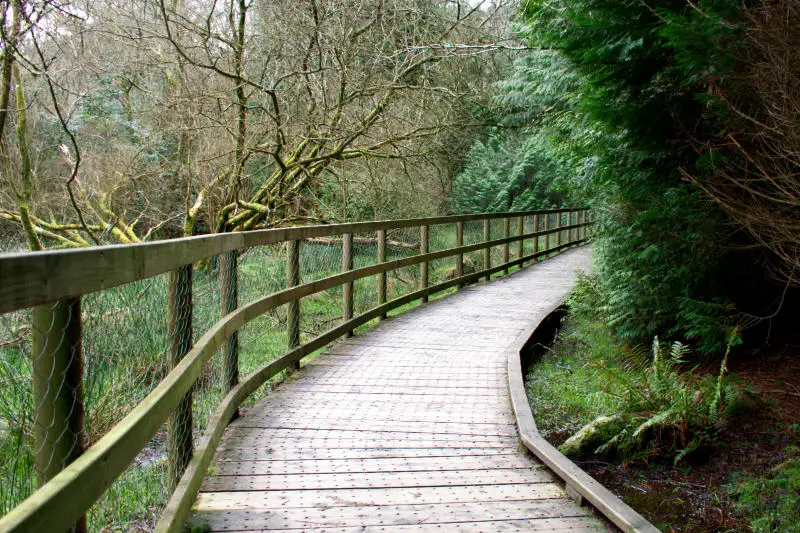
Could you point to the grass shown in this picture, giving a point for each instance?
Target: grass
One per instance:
(771, 502)
(562, 386)
(125, 356)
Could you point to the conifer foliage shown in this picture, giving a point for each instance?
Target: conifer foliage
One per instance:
(622, 130)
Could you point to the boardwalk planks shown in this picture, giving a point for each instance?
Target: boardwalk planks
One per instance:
(406, 427)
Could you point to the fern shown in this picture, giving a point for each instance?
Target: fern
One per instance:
(661, 399)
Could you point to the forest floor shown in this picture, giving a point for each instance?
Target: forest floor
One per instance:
(699, 496)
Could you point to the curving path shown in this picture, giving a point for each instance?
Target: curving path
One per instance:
(406, 427)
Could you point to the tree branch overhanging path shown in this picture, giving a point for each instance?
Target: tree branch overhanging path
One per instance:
(171, 118)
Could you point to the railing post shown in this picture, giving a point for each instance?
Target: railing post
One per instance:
(558, 228)
(229, 301)
(487, 252)
(546, 229)
(567, 232)
(423, 267)
(179, 331)
(506, 235)
(521, 242)
(584, 221)
(382, 276)
(293, 308)
(535, 230)
(57, 390)
(347, 288)
(459, 256)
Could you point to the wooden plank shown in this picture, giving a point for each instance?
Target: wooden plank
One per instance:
(293, 308)
(275, 499)
(459, 428)
(350, 466)
(381, 236)
(335, 429)
(378, 480)
(283, 453)
(387, 515)
(423, 267)
(487, 251)
(179, 335)
(506, 234)
(571, 524)
(57, 359)
(347, 286)
(229, 301)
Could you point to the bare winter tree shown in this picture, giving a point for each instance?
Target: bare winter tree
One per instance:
(756, 167)
(187, 117)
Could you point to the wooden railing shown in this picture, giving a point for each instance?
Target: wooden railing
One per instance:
(52, 283)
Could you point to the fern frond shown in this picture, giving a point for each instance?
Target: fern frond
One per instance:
(660, 419)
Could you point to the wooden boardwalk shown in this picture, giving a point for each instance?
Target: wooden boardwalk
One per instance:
(406, 427)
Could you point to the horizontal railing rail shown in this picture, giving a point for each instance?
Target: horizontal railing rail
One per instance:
(53, 283)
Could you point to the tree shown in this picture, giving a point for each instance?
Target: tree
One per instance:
(227, 117)
(638, 67)
(752, 169)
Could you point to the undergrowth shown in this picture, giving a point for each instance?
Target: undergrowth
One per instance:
(652, 404)
(771, 502)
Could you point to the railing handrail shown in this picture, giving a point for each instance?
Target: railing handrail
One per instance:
(36, 278)
(65, 497)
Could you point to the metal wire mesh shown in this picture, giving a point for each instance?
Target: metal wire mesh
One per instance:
(442, 237)
(365, 253)
(125, 345)
(262, 271)
(402, 243)
(320, 312)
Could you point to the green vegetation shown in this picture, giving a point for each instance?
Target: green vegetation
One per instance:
(638, 401)
(770, 501)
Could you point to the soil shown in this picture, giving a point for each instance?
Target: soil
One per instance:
(695, 498)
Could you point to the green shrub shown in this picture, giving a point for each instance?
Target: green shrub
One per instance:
(668, 411)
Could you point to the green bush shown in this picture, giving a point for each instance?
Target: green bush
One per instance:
(666, 410)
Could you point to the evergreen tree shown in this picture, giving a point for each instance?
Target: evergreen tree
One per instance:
(640, 66)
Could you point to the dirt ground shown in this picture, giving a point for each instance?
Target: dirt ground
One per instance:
(694, 498)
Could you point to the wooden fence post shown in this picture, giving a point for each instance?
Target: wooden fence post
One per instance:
(547, 228)
(567, 232)
(506, 235)
(347, 288)
(229, 301)
(424, 243)
(179, 331)
(460, 256)
(535, 230)
(382, 276)
(57, 390)
(487, 252)
(558, 228)
(293, 307)
(521, 242)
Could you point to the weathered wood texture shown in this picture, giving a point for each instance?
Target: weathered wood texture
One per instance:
(31, 279)
(406, 427)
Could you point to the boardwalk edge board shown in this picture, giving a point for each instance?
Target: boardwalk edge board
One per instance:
(578, 483)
